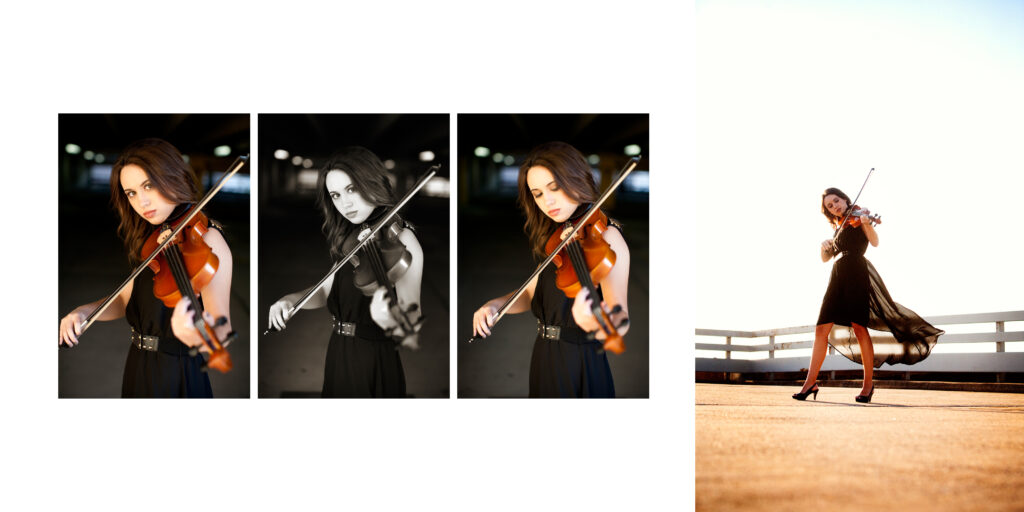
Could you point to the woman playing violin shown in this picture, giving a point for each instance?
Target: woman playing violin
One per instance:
(555, 187)
(151, 184)
(856, 297)
(354, 192)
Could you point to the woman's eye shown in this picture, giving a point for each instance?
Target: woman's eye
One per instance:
(335, 196)
(130, 194)
(537, 196)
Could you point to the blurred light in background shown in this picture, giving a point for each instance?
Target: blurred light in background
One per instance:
(281, 154)
(593, 159)
(632, 150)
(307, 163)
(296, 160)
(426, 156)
(638, 181)
(307, 180)
(437, 187)
(100, 158)
(183, 157)
(508, 177)
(238, 184)
(99, 176)
(498, 158)
(482, 152)
(389, 164)
(222, 151)
(510, 160)
(88, 155)
(73, 149)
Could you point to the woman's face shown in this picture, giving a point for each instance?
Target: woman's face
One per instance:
(835, 205)
(550, 199)
(346, 198)
(142, 194)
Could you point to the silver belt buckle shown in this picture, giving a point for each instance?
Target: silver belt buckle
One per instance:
(344, 328)
(549, 332)
(149, 343)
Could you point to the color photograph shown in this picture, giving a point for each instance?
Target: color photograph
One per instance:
(153, 280)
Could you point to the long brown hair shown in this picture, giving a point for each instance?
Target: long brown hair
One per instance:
(832, 219)
(370, 179)
(572, 175)
(169, 174)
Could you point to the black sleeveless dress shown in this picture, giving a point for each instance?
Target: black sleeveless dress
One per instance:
(856, 294)
(168, 372)
(366, 365)
(571, 366)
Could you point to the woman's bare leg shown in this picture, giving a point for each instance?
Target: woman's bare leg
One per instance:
(867, 356)
(817, 355)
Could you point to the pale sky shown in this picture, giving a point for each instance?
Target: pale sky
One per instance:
(794, 97)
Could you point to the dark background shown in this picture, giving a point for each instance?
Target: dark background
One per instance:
(294, 254)
(92, 261)
(494, 256)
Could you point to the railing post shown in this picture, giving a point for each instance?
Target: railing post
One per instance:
(771, 347)
(1000, 345)
(728, 341)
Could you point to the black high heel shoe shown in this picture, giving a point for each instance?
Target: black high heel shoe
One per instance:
(803, 396)
(866, 399)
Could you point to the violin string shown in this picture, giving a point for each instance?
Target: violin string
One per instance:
(176, 262)
(178, 270)
(579, 263)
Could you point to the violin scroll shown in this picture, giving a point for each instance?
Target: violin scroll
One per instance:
(853, 220)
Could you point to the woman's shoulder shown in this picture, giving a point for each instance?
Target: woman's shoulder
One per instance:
(614, 236)
(214, 236)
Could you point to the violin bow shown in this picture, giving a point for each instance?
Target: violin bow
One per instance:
(376, 227)
(235, 167)
(565, 241)
(842, 224)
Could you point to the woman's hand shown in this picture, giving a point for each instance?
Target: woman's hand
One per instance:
(583, 313)
(482, 320)
(183, 324)
(71, 327)
(279, 314)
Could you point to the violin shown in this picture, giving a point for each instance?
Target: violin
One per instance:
(183, 269)
(189, 262)
(378, 265)
(584, 260)
(853, 218)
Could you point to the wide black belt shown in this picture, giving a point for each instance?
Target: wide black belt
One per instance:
(154, 344)
(344, 328)
(548, 332)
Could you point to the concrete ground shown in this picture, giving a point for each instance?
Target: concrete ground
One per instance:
(908, 450)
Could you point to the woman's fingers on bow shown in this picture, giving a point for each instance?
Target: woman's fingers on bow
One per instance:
(482, 322)
(70, 327)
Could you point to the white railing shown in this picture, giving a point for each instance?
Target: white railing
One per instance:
(1000, 361)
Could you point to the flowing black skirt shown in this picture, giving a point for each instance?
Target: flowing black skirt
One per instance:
(160, 374)
(856, 294)
(567, 369)
(359, 368)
